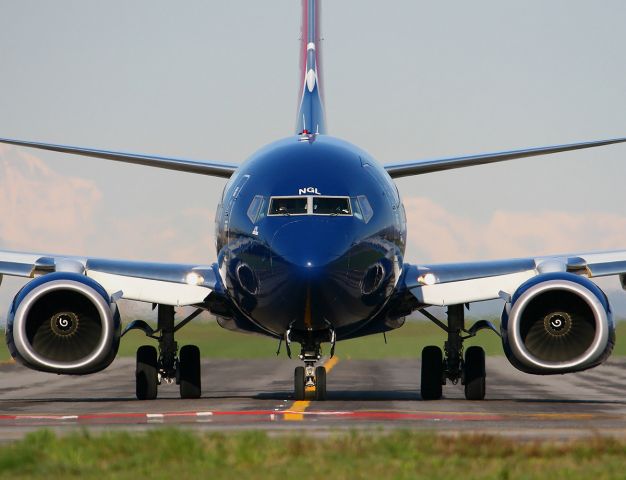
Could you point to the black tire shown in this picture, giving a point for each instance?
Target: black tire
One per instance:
(189, 365)
(298, 383)
(432, 373)
(146, 379)
(320, 383)
(474, 373)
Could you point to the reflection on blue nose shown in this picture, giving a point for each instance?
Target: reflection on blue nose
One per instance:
(310, 259)
(310, 243)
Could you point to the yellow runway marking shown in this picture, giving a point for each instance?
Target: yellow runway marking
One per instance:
(331, 363)
(296, 411)
(561, 416)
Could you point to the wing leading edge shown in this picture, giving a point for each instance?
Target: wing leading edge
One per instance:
(179, 164)
(453, 284)
(397, 170)
(152, 282)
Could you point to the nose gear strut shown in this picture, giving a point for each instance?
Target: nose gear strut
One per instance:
(310, 377)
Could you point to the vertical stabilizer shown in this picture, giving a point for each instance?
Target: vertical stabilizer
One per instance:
(311, 118)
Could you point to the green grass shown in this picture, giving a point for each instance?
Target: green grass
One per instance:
(167, 454)
(406, 342)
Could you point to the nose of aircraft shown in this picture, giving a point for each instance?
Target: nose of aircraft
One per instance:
(311, 243)
(310, 261)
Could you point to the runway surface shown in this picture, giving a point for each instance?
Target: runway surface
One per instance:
(244, 394)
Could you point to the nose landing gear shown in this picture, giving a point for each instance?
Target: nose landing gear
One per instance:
(310, 378)
(437, 369)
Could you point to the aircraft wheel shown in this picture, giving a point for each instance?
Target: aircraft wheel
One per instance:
(146, 380)
(298, 383)
(320, 383)
(432, 373)
(189, 365)
(474, 373)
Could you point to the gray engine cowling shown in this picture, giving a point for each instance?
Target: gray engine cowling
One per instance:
(557, 323)
(63, 323)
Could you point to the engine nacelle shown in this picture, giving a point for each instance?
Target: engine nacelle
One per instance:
(557, 323)
(63, 323)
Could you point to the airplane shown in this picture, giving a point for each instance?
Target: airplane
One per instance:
(310, 242)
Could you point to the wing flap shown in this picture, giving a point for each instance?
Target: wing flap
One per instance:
(14, 269)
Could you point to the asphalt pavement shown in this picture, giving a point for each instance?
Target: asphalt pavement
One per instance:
(378, 394)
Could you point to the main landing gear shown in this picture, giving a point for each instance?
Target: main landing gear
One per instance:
(437, 368)
(169, 365)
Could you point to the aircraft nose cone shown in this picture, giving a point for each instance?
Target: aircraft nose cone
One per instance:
(309, 244)
(310, 265)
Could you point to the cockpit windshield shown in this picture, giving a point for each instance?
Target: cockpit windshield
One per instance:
(311, 205)
(331, 206)
(288, 206)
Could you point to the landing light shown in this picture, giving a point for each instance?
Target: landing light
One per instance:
(427, 279)
(194, 278)
(309, 264)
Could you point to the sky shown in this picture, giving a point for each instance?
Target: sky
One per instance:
(404, 80)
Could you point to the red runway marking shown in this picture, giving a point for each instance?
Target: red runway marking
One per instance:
(421, 416)
(250, 412)
(270, 414)
(107, 416)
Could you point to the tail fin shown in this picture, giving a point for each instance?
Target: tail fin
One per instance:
(311, 118)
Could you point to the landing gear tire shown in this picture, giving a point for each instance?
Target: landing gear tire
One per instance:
(299, 383)
(474, 373)
(189, 365)
(146, 379)
(320, 383)
(432, 373)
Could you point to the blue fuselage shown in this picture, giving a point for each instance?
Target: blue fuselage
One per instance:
(308, 272)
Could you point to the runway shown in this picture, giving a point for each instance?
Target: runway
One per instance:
(244, 394)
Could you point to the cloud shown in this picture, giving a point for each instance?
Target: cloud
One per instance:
(41, 209)
(44, 211)
(185, 237)
(438, 235)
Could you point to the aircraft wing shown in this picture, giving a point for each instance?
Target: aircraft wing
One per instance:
(179, 164)
(458, 283)
(162, 283)
(420, 167)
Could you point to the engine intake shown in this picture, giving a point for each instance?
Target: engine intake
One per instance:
(63, 323)
(557, 323)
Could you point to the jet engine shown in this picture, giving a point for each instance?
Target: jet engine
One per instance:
(63, 323)
(557, 323)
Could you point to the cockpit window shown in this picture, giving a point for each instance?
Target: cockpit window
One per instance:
(316, 205)
(289, 206)
(366, 208)
(331, 206)
(255, 207)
